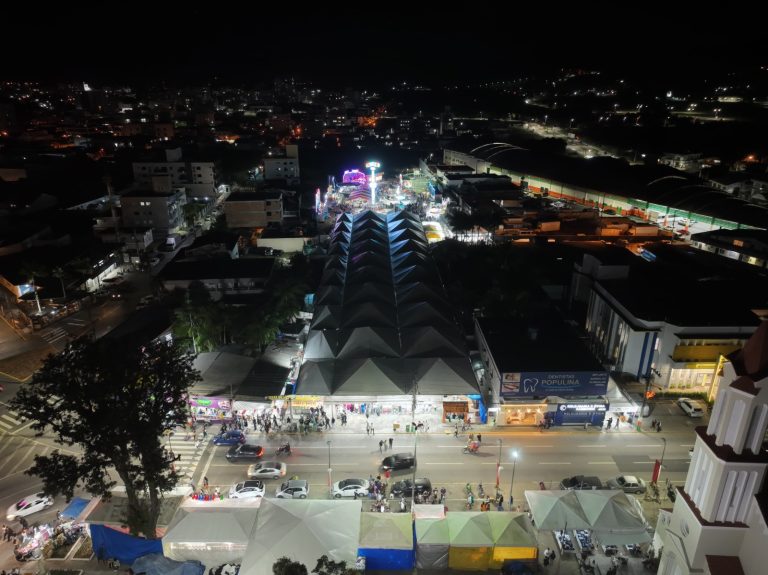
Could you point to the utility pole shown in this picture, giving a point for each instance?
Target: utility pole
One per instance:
(414, 391)
(330, 480)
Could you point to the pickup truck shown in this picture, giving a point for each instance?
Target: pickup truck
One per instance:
(581, 482)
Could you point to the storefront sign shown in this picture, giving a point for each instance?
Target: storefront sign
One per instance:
(583, 406)
(211, 408)
(211, 402)
(541, 383)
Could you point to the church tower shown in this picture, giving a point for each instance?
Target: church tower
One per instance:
(717, 523)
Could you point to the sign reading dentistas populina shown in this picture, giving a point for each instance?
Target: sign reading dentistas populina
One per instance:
(542, 383)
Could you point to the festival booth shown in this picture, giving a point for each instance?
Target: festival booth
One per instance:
(112, 544)
(303, 531)
(432, 543)
(386, 541)
(212, 532)
(156, 564)
(514, 538)
(471, 540)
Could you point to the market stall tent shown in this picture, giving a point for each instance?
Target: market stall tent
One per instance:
(471, 541)
(303, 531)
(211, 535)
(386, 540)
(514, 538)
(432, 543)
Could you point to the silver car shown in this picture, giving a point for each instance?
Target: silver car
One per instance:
(627, 483)
(350, 487)
(267, 470)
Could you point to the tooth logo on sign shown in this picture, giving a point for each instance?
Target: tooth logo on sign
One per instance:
(529, 385)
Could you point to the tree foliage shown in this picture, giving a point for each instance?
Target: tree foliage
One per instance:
(113, 405)
(285, 566)
(326, 566)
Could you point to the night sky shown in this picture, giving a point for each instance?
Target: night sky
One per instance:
(246, 42)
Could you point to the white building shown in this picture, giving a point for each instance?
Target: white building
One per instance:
(161, 211)
(197, 178)
(283, 167)
(719, 524)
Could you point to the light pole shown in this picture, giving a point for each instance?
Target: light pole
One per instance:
(512, 483)
(330, 481)
(663, 451)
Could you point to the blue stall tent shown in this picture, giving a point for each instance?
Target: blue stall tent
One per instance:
(75, 508)
(386, 541)
(111, 544)
(156, 564)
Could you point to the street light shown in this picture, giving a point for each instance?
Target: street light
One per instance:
(330, 481)
(663, 451)
(512, 483)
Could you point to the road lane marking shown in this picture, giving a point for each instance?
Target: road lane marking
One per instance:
(554, 462)
(447, 463)
(581, 446)
(23, 459)
(601, 463)
(643, 462)
(647, 445)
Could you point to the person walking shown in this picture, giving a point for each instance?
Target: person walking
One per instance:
(367, 429)
(373, 432)
(479, 437)
(381, 445)
(391, 440)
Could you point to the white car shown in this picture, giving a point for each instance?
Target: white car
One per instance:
(267, 470)
(29, 505)
(348, 488)
(247, 489)
(293, 489)
(690, 407)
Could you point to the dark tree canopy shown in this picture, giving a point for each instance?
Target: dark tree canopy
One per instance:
(112, 403)
(284, 566)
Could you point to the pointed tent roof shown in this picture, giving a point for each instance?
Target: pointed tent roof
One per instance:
(372, 245)
(316, 378)
(338, 248)
(469, 529)
(556, 509)
(369, 292)
(341, 236)
(512, 530)
(752, 359)
(362, 377)
(368, 342)
(429, 342)
(364, 274)
(327, 317)
(369, 258)
(432, 532)
(336, 263)
(445, 375)
(321, 344)
(386, 531)
(329, 295)
(332, 277)
(424, 314)
(370, 233)
(407, 245)
(608, 509)
(403, 225)
(406, 234)
(213, 525)
(369, 314)
(408, 258)
(302, 531)
(416, 292)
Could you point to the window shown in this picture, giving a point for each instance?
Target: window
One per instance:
(269, 213)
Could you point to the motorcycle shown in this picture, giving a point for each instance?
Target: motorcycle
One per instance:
(284, 449)
(473, 447)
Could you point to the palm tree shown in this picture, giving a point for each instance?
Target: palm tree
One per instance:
(29, 270)
(58, 272)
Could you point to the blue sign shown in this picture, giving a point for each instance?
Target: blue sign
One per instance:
(542, 383)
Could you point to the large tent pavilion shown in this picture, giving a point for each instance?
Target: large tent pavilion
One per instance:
(382, 327)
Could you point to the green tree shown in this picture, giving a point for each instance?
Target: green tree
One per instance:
(192, 211)
(285, 566)
(326, 566)
(114, 407)
(60, 273)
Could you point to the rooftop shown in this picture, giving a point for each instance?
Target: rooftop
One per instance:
(254, 196)
(223, 268)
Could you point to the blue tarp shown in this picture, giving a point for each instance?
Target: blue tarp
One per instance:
(388, 559)
(157, 564)
(74, 508)
(111, 544)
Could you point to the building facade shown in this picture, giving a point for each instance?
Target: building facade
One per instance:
(161, 211)
(253, 209)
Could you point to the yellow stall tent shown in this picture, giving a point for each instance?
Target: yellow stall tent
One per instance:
(471, 541)
(513, 538)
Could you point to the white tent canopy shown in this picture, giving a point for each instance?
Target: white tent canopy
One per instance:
(303, 531)
(210, 533)
(610, 514)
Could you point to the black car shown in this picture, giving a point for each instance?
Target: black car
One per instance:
(581, 482)
(405, 487)
(398, 461)
(245, 452)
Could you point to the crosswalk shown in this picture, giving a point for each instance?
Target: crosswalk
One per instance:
(54, 334)
(189, 450)
(76, 322)
(9, 421)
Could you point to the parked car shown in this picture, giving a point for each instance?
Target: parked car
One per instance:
(348, 488)
(267, 470)
(244, 452)
(627, 483)
(293, 489)
(29, 505)
(405, 487)
(690, 407)
(581, 482)
(398, 461)
(231, 437)
(247, 489)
